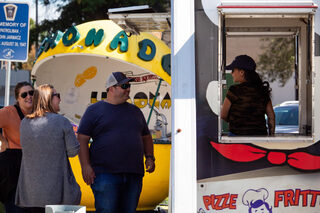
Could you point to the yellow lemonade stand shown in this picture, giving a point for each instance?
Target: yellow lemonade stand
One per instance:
(78, 62)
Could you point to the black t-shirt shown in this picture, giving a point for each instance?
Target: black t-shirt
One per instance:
(247, 111)
(116, 132)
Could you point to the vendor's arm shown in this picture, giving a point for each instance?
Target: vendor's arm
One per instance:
(225, 109)
(271, 118)
(87, 170)
(148, 152)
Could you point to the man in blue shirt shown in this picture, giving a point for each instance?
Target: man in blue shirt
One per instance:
(113, 165)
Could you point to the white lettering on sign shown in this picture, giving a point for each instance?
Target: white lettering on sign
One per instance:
(9, 24)
(7, 30)
(7, 43)
(12, 37)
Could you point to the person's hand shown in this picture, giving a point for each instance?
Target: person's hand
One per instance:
(4, 144)
(150, 165)
(88, 174)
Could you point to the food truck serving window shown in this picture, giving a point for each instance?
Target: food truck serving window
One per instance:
(281, 43)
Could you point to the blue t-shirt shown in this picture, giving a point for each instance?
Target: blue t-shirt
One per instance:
(116, 131)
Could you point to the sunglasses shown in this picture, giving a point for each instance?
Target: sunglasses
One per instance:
(56, 94)
(124, 86)
(25, 94)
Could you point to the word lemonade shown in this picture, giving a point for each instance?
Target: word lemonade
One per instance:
(140, 99)
(147, 48)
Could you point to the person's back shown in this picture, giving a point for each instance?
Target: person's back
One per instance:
(246, 104)
(43, 162)
(247, 112)
(47, 140)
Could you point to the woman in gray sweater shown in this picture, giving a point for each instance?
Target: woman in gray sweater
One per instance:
(47, 140)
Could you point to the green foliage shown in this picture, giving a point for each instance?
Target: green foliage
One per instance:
(2, 208)
(32, 24)
(74, 12)
(277, 61)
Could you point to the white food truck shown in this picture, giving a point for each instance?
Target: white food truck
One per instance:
(245, 174)
(210, 171)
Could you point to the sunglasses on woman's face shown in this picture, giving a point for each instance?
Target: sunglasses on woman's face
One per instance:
(56, 94)
(124, 86)
(25, 94)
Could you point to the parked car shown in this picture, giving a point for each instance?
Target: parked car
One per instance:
(0, 128)
(288, 103)
(287, 117)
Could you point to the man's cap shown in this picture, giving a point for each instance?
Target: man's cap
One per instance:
(117, 78)
(243, 62)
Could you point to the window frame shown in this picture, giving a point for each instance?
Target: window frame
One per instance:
(309, 63)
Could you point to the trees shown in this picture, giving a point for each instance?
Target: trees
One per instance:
(277, 62)
(74, 12)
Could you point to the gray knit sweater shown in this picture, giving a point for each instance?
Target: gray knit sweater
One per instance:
(45, 176)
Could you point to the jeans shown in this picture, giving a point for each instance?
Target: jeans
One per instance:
(116, 193)
(36, 210)
(11, 207)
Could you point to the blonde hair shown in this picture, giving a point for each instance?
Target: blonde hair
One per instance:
(42, 99)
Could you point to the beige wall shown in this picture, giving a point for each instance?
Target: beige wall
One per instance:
(252, 46)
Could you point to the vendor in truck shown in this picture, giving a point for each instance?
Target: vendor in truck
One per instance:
(246, 103)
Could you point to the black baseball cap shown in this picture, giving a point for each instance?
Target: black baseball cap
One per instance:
(243, 62)
(117, 78)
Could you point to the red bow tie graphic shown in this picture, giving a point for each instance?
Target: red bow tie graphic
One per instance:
(247, 153)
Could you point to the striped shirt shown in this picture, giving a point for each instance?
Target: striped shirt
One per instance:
(247, 112)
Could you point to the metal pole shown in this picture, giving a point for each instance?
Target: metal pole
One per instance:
(7, 84)
(37, 32)
(154, 100)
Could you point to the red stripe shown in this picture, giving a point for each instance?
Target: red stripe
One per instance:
(257, 6)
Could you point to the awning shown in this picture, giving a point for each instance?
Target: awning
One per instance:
(138, 19)
(267, 7)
